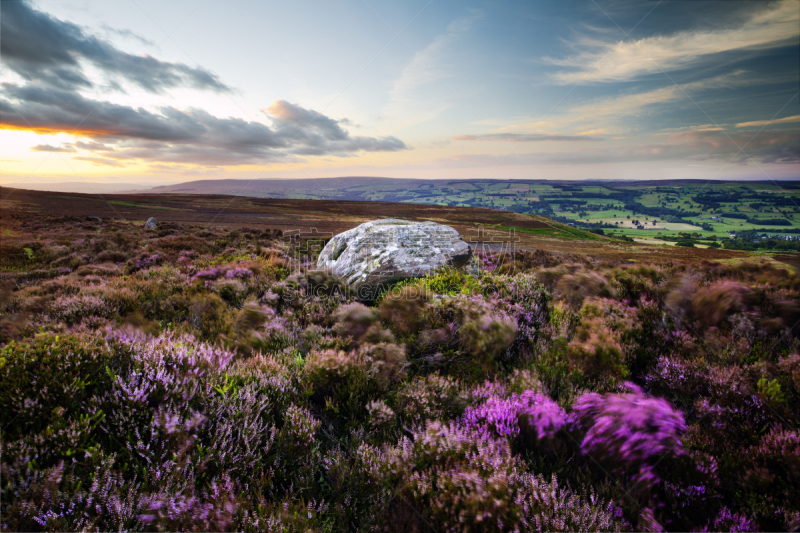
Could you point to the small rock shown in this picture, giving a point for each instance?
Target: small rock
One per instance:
(151, 223)
(90, 218)
(381, 252)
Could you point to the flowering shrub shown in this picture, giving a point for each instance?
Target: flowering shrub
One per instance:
(574, 288)
(402, 309)
(715, 302)
(675, 376)
(330, 371)
(430, 398)
(71, 309)
(629, 431)
(197, 387)
(381, 415)
(239, 272)
(472, 325)
(504, 417)
(595, 351)
(143, 262)
(354, 320)
(453, 479)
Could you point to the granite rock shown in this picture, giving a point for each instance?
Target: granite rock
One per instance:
(381, 252)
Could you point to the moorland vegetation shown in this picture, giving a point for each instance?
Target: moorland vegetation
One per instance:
(197, 378)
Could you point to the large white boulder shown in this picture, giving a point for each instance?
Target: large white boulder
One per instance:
(380, 252)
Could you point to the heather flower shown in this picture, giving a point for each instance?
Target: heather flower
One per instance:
(380, 414)
(299, 427)
(459, 480)
(673, 375)
(525, 299)
(791, 366)
(208, 274)
(487, 261)
(238, 272)
(630, 431)
(505, 417)
(143, 262)
(193, 510)
(270, 298)
(733, 407)
(542, 414)
(72, 309)
(733, 522)
(276, 333)
(497, 415)
(429, 398)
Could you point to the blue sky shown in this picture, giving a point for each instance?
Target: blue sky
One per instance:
(151, 91)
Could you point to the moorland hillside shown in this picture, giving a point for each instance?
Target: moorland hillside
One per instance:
(204, 375)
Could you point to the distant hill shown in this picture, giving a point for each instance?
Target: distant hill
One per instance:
(345, 188)
(82, 187)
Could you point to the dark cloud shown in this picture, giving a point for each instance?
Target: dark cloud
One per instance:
(49, 51)
(49, 148)
(93, 146)
(522, 137)
(296, 119)
(183, 136)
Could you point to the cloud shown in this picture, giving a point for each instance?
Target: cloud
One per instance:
(778, 147)
(48, 148)
(49, 51)
(100, 161)
(294, 116)
(607, 114)
(601, 61)
(522, 137)
(93, 146)
(50, 54)
(191, 136)
(794, 118)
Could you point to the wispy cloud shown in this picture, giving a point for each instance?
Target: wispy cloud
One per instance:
(522, 137)
(410, 100)
(601, 61)
(608, 115)
(794, 118)
(100, 161)
(778, 147)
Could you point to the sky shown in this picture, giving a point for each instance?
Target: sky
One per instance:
(147, 91)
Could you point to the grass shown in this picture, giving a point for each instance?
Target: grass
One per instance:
(562, 232)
